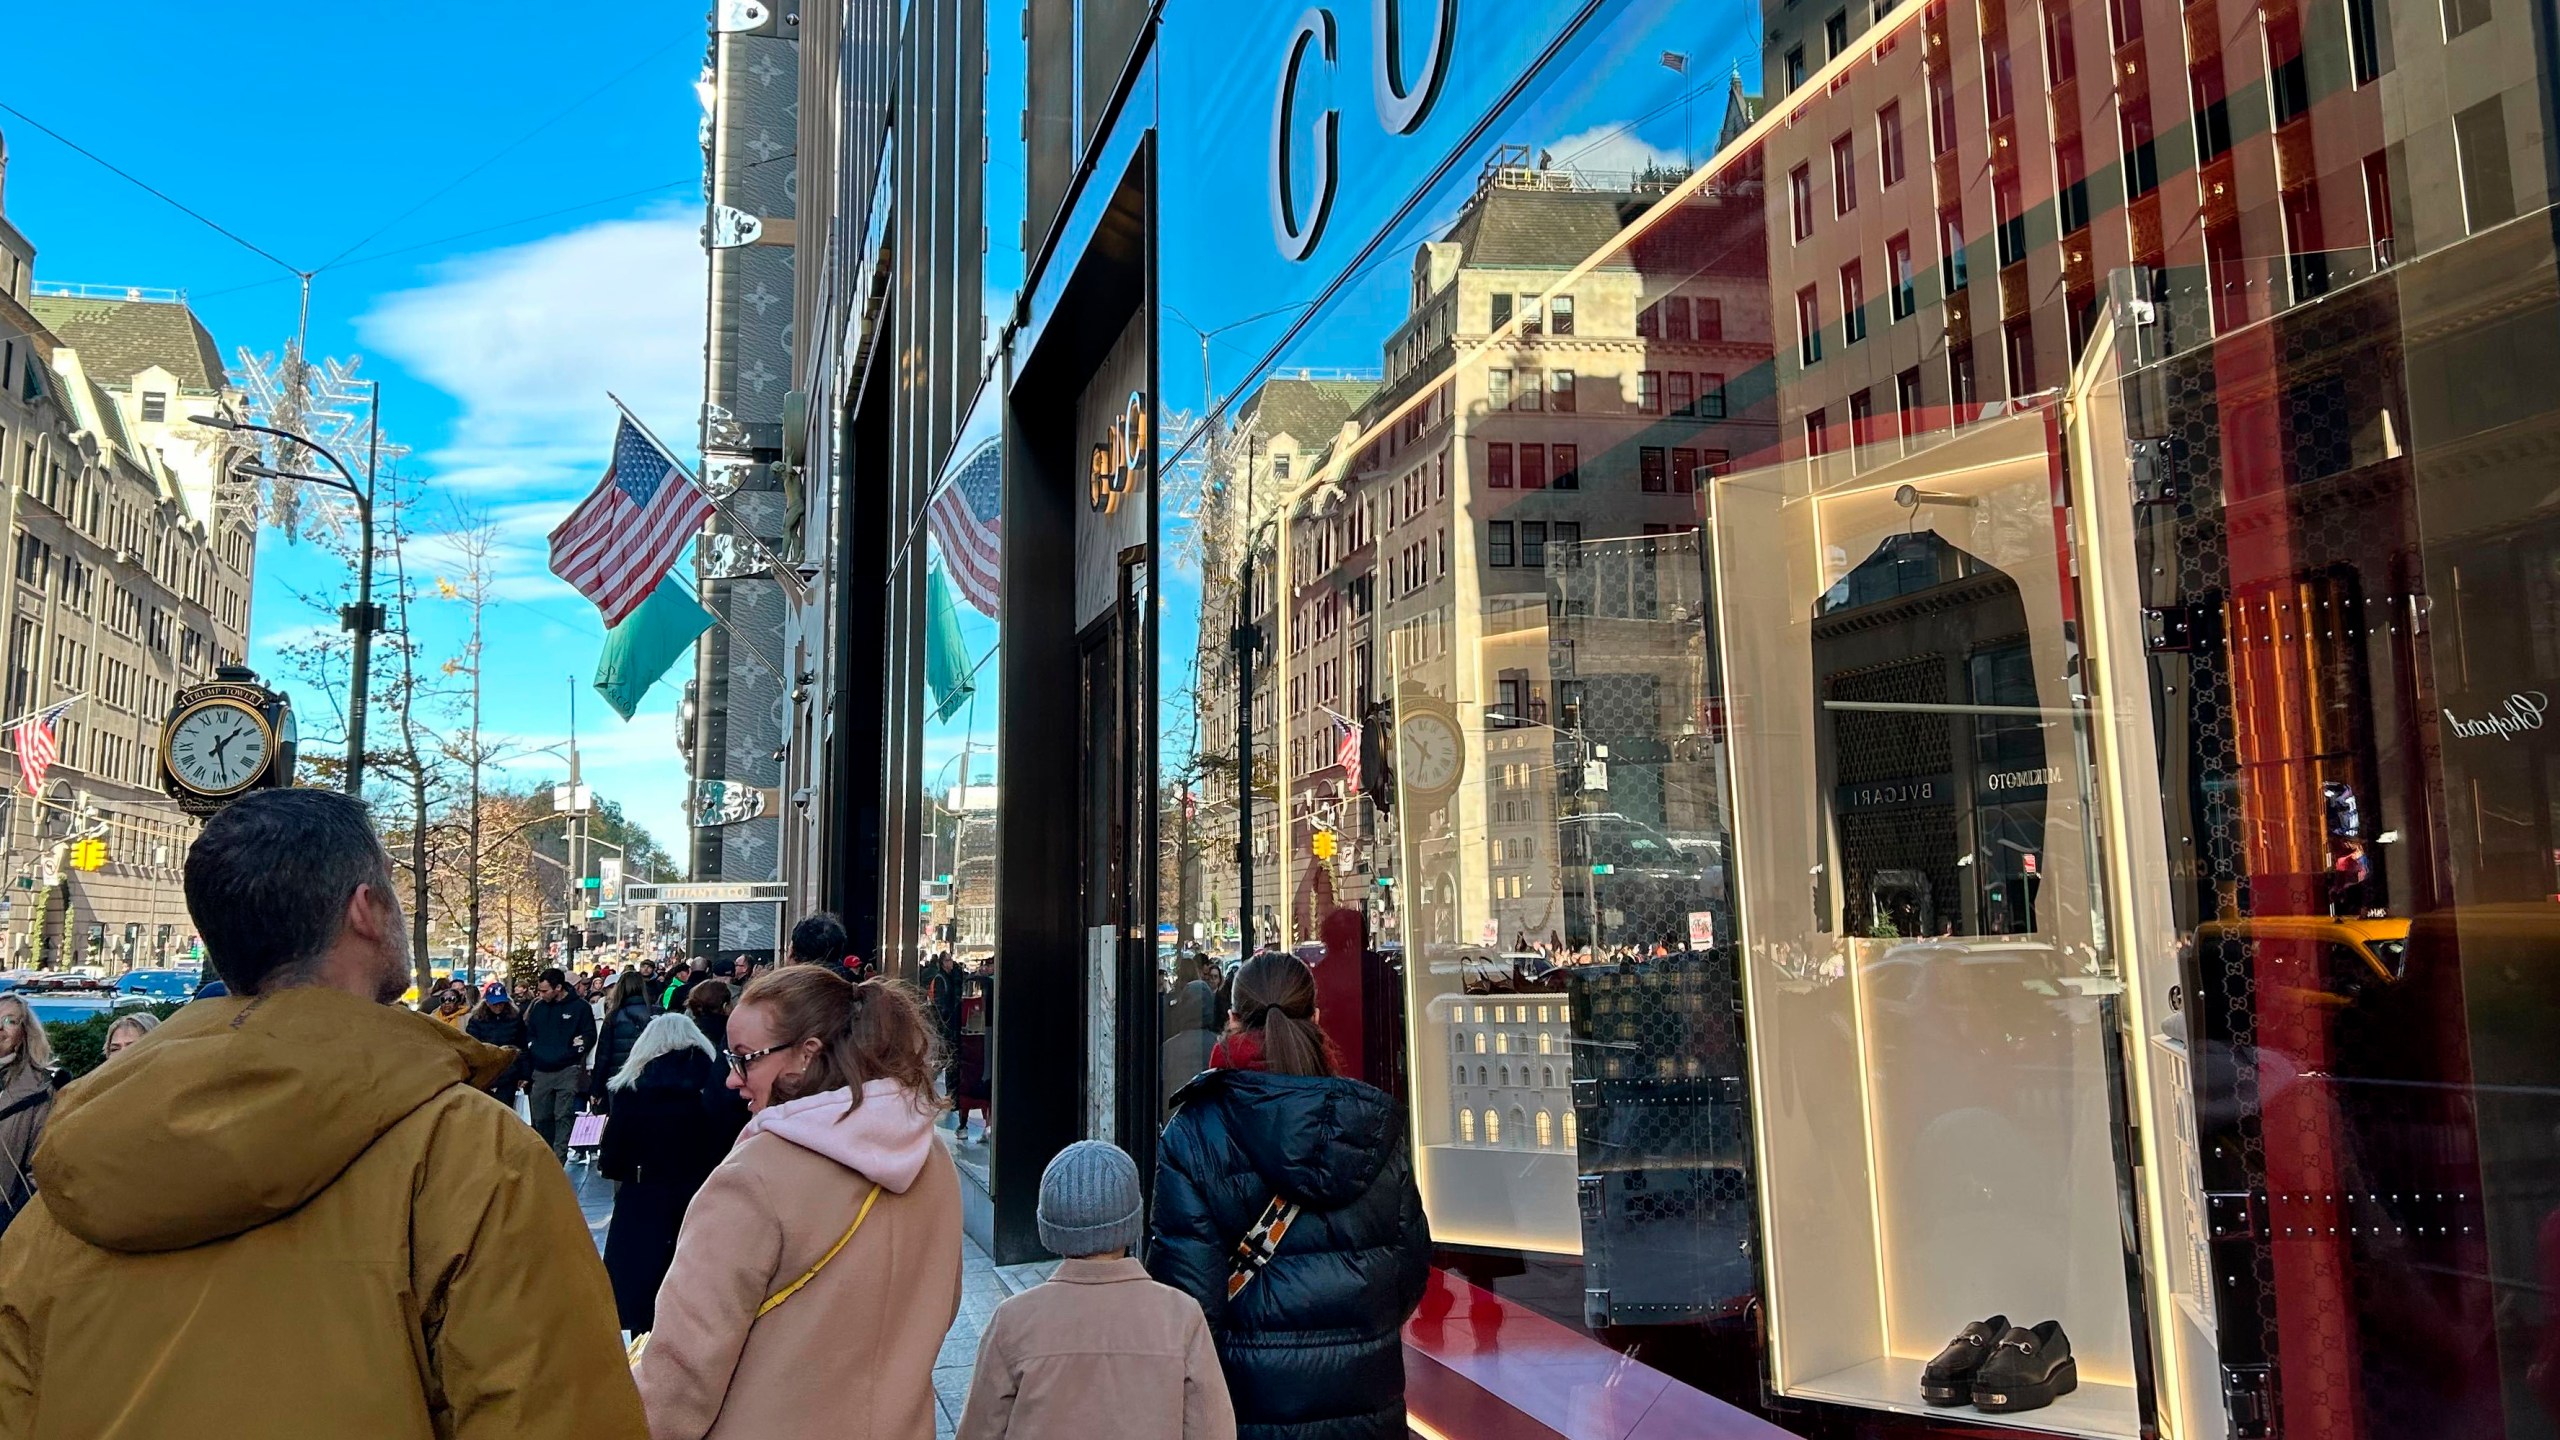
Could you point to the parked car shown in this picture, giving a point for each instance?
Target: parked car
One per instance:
(157, 984)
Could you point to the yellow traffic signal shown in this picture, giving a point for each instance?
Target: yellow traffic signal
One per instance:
(1325, 844)
(89, 855)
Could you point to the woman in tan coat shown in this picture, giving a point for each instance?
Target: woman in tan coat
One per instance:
(819, 1266)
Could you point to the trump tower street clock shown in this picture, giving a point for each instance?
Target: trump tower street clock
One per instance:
(224, 739)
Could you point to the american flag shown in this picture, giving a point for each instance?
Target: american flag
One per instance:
(968, 519)
(620, 541)
(36, 747)
(1346, 752)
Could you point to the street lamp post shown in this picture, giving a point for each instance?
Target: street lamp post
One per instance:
(363, 618)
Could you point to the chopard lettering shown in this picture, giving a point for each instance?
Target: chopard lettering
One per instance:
(2523, 711)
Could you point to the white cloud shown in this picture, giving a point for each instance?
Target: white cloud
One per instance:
(1611, 151)
(529, 338)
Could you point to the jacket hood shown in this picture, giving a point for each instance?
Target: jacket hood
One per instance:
(884, 1139)
(685, 1069)
(238, 1110)
(1318, 1140)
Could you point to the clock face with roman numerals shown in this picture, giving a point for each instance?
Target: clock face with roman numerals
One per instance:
(219, 747)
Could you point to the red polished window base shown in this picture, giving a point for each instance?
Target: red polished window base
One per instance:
(1479, 1367)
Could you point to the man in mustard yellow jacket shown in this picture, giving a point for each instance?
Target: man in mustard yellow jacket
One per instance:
(293, 1213)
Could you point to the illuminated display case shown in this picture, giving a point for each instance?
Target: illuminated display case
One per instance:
(1934, 1002)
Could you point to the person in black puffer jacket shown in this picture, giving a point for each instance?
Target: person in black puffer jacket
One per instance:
(1313, 1346)
(497, 1021)
(627, 1012)
(668, 1129)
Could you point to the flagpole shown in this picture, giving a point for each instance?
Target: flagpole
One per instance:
(784, 575)
(735, 637)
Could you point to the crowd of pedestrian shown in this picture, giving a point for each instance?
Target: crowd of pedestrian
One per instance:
(333, 1231)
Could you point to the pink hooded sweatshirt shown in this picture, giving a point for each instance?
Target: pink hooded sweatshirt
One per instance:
(769, 1216)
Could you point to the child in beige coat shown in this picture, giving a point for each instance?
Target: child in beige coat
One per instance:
(1100, 1349)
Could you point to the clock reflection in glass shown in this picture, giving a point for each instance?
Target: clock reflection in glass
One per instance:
(217, 748)
(1433, 752)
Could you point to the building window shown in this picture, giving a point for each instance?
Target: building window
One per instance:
(1533, 545)
(1501, 312)
(1684, 470)
(1531, 391)
(2377, 207)
(1675, 317)
(1844, 175)
(1835, 34)
(2019, 342)
(1466, 1122)
(1961, 397)
(1530, 315)
(1649, 391)
(2464, 16)
(2141, 151)
(1809, 325)
(2480, 139)
(1567, 460)
(2124, 21)
(1497, 389)
(1533, 467)
(2061, 58)
(1683, 397)
(2306, 256)
(1951, 267)
(1568, 1130)
(2009, 220)
(1560, 315)
(1889, 145)
(2212, 106)
(1999, 88)
(1862, 421)
(1650, 463)
(1897, 264)
(2365, 39)
(1497, 465)
(155, 407)
(1815, 424)
(2288, 82)
(1853, 303)
(1497, 554)
(1279, 467)
(2071, 201)
(1800, 200)
(1795, 67)
(1710, 397)
(1906, 405)
(1710, 318)
(1649, 323)
(1492, 1127)
(1560, 390)
(1942, 112)
(1546, 1129)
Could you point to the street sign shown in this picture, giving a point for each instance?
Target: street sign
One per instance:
(708, 892)
(1604, 869)
(596, 914)
(590, 882)
(609, 882)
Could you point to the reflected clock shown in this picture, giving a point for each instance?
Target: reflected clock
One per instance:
(1431, 752)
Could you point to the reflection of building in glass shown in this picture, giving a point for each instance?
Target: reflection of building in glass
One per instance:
(1511, 1077)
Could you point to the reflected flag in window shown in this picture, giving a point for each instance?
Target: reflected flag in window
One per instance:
(1346, 751)
(967, 518)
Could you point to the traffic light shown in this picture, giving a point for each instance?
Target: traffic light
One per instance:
(89, 854)
(1325, 844)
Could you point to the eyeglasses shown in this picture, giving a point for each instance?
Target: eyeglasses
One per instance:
(740, 1062)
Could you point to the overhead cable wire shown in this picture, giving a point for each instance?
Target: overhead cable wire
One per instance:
(155, 191)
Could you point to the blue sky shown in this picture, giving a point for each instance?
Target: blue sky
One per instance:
(526, 188)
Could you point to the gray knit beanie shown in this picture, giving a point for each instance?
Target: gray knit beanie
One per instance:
(1089, 1200)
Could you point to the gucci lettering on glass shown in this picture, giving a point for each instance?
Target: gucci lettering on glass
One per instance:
(2519, 713)
(1402, 101)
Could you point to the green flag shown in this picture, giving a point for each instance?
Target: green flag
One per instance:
(646, 643)
(947, 671)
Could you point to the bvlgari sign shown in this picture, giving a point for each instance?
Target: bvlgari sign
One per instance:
(1403, 102)
(2503, 720)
